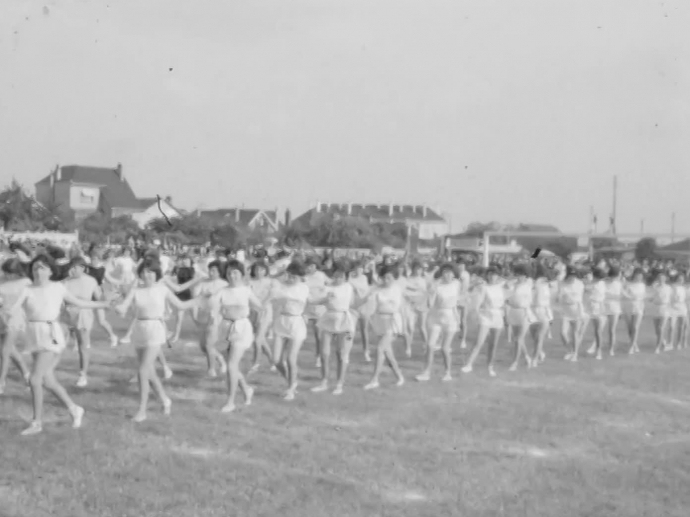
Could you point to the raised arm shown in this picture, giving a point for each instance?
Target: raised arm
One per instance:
(84, 304)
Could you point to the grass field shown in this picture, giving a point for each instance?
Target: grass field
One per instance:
(605, 438)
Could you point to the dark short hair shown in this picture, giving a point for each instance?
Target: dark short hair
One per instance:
(295, 268)
(218, 265)
(521, 270)
(14, 266)
(259, 264)
(43, 259)
(446, 266)
(76, 262)
(150, 264)
(614, 271)
(234, 264)
(391, 269)
(341, 267)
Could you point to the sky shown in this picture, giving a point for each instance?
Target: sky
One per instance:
(511, 111)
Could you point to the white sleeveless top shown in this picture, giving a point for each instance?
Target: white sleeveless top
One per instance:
(445, 296)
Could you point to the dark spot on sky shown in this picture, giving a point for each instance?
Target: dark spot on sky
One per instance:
(170, 69)
(536, 253)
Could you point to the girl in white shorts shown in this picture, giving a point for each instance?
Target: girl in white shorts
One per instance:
(12, 324)
(289, 326)
(543, 315)
(491, 319)
(386, 322)
(337, 326)
(678, 312)
(519, 313)
(230, 310)
(661, 309)
(149, 332)
(571, 302)
(442, 320)
(612, 305)
(634, 296)
(42, 303)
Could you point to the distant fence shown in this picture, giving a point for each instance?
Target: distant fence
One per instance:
(56, 238)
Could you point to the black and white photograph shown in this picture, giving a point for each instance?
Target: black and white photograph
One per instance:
(319, 258)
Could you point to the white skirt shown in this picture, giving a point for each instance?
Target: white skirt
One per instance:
(661, 311)
(612, 308)
(492, 318)
(147, 333)
(520, 316)
(337, 322)
(634, 307)
(290, 327)
(42, 336)
(542, 314)
(383, 324)
(239, 333)
(446, 319)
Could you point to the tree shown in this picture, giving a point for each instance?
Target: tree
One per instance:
(645, 249)
(21, 212)
(98, 228)
(195, 229)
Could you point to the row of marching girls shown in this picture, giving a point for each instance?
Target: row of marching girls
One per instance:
(597, 298)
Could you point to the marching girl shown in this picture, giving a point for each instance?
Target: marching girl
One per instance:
(417, 303)
(98, 270)
(571, 301)
(230, 323)
(386, 322)
(12, 324)
(463, 301)
(360, 283)
(612, 304)
(337, 326)
(203, 290)
(661, 301)
(543, 314)
(519, 313)
(261, 284)
(405, 308)
(491, 311)
(316, 281)
(42, 302)
(678, 312)
(183, 272)
(289, 324)
(442, 321)
(150, 334)
(634, 295)
(595, 296)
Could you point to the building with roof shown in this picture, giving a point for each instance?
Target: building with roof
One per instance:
(151, 210)
(427, 222)
(250, 218)
(79, 191)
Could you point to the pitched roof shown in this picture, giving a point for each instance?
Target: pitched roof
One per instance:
(115, 190)
(400, 213)
(245, 214)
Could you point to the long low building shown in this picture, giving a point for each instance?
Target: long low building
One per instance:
(426, 221)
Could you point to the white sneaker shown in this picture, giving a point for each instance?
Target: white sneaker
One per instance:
(82, 381)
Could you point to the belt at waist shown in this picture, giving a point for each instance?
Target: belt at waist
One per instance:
(49, 322)
(291, 315)
(386, 313)
(150, 319)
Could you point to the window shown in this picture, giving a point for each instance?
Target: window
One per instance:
(87, 196)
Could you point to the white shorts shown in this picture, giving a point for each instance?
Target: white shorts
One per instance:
(492, 318)
(520, 317)
(149, 333)
(239, 334)
(290, 327)
(45, 336)
(446, 319)
(383, 324)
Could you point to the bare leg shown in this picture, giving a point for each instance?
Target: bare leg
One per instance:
(327, 337)
(481, 339)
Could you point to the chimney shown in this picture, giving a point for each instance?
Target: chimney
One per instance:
(58, 174)
(288, 217)
(424, 211)
(349, 209)
(118, 171)
(237, 215)
(318, 206)
(390, 209)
